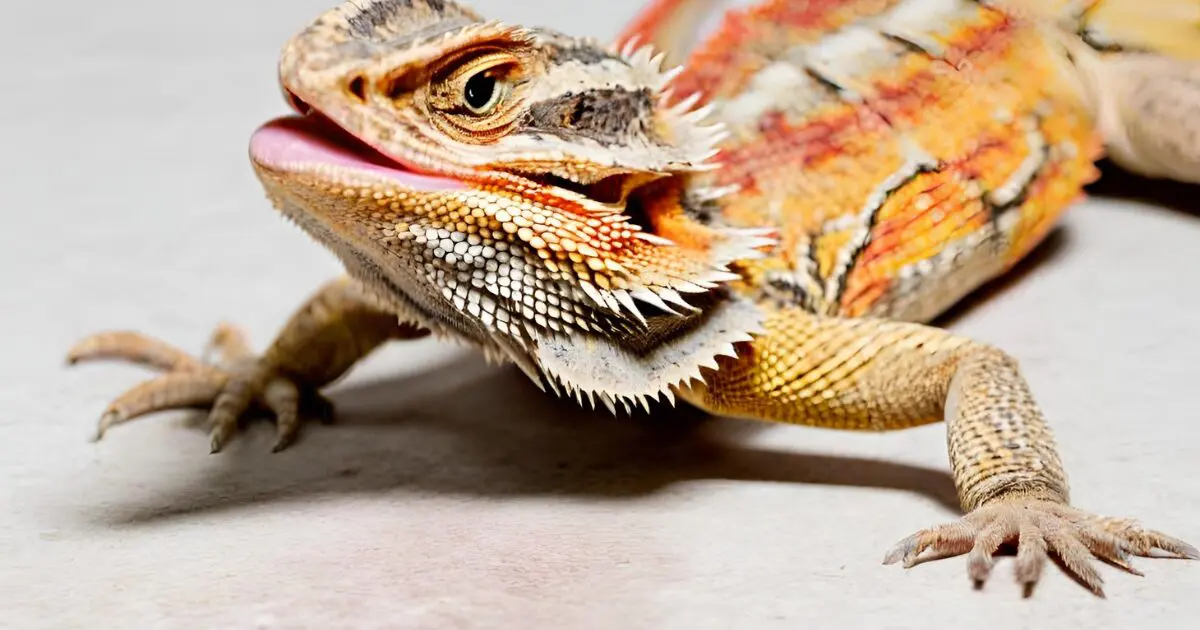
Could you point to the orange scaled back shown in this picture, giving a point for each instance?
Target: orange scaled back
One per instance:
(907, 150)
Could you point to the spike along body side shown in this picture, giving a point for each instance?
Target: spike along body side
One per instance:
(762, 231)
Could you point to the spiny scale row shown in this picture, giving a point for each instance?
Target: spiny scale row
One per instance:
(632, 401)
(689, 121)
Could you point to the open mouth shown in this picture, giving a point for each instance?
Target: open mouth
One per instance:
(305, 143)
(308, 141)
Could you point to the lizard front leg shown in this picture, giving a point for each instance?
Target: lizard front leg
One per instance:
(327, 335)
(873, 375)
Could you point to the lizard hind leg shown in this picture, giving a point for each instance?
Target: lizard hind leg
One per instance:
(1148, 109)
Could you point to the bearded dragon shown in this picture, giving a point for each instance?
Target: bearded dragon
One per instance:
(765, 231)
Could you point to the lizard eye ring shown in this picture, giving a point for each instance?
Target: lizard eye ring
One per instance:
(472, 97)
(483, 92)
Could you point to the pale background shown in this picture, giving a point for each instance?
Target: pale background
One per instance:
(452, 495)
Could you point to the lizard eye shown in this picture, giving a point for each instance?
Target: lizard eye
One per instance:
(482, 92)
(475, 95)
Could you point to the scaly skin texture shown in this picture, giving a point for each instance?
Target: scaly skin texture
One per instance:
(1136, 63)
(764, 232)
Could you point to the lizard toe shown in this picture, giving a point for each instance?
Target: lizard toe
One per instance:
(232, 386)
(258, 386)
(1041, 530)
(175, 390)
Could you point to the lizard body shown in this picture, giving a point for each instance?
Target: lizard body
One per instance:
(765, 232)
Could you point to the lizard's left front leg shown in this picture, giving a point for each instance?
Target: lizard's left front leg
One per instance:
(333, 330)
(873, 375)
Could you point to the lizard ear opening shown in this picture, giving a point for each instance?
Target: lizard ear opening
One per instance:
(659, 208)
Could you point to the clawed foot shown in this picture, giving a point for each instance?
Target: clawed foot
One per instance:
(1039, 529)
(231, 385)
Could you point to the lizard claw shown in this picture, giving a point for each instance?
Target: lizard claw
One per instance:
(231, 386)
(1039, 528)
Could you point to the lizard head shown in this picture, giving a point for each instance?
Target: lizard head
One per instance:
(433, 87)
(513, 186)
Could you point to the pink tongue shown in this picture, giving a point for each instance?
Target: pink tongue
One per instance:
(294, 143)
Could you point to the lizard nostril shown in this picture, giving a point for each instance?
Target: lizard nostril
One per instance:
(298, 105)
(358, 88)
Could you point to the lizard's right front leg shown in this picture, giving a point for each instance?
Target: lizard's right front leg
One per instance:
(875, 375)
(332, 330)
